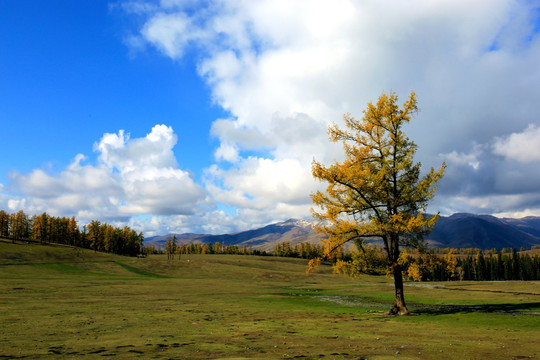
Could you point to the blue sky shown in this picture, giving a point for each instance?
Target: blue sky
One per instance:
(67, 78)
(189, 116)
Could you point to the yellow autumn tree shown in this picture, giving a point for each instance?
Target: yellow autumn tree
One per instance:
(39, 228)
(378, 190)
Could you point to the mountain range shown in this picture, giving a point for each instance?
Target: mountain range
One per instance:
(460, 230)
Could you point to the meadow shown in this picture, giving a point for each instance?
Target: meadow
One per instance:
(65, 302)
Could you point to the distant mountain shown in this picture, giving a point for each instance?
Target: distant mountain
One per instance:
(484, 232)
(529, 224)
(456, 231)
(265, 238)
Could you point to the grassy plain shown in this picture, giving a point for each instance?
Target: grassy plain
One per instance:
(61, 302)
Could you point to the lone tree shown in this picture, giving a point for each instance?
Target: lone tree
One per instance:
(377, 191)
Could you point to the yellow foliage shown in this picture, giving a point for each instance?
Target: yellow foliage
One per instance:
(377, 191)
(451, 263)
(313, 264)
(414, 272)
(341, 267)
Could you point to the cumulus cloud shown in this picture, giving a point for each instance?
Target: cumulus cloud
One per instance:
(212, 222)
(471, 159)
(263, 181)
(285, 70)
(493, 178)
(154, 150)
(523, 147)
(263, 190)
(132, 177)
(227, 152)
(171, 32)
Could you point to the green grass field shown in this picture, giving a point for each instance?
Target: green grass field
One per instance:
(62, 302)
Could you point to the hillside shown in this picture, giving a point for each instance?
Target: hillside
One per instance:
(23, 252)
(456, 231)
(265, 238)
(485, 232)
(59, 302)
(529, 224)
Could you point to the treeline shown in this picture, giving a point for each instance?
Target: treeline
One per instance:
(285, 249)
(45, 228)
(513, 266)
(173, 248)
(431, 266)
(300, 250)
(474, 251)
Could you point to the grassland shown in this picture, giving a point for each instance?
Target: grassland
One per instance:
(62, 302)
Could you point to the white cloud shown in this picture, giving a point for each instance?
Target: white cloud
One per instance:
(170, 33)
(134, 7)
(264, 190)
(155, 150)
(523, 147)
(502, 205)
(133, 176)
(518, 214)
(212, 222)
(231, 131)
(471, 159)
(227, 152)
(268, 181)
(285, 70)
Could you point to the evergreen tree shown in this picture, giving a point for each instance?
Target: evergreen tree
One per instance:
(515, 265)
(95, 235)
(500, 266)
(4, 223)
(480, 266)
(40, 227)
(20, 226)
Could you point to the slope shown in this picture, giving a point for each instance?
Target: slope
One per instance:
(457, 231)
(479, 231)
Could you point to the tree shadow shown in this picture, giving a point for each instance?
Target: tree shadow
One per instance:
(522, 308)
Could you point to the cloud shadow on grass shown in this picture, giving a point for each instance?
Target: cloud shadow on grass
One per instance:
(522, 309)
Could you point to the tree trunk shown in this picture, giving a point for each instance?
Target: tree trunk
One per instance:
(399, 307)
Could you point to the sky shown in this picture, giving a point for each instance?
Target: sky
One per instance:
(205, 116)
